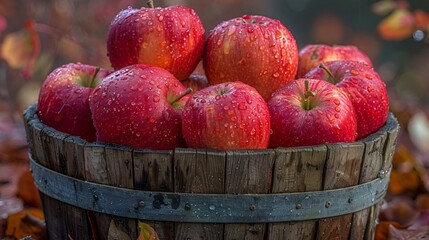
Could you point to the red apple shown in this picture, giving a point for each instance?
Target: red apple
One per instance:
(63, 99)
(196, 82)
(310, 112)
(256, 50)
(314, 54)
(171, 38)
(365, 88)
(226, 116)
(139, 106)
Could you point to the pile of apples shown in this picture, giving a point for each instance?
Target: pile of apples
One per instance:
(258, 90)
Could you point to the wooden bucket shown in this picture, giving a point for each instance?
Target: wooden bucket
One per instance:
(100, 191)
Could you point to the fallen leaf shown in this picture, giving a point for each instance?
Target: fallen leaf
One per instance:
(383, 7)
(20, 49)
(382, 229)
(398, 186)
(418, 129)
(146, 232)
(116, 233)
(422, 201)
(28, 192)
(401, 210)
(29, 222)
(422, 221)
(407, 234)
(399, 25)
(422, 19)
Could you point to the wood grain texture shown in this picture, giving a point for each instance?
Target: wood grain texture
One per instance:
(324, 167)
(248, 172)
(199, 171)
(371, 165)
(342, 169)
(96, 171)
(297, 170)
(153, 171)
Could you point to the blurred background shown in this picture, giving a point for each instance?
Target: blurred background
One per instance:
(38, 36)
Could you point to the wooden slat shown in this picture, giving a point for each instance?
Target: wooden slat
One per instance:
(199, 171)
(153, 171)
(297, 170)
(248, 172)
(120, 173)
(371, 165)
(342, 169)
(51, 144)
(96, 171)
(392, 130)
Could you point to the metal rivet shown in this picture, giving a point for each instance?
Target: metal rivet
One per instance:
(252, 207)
(187, 206)
(127, 161)
(141, 204)
(298, 206)
(328, 204)
(381, 173)
(350, 200)
(95, 197)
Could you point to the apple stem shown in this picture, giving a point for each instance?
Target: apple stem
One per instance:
(150, 4)
(188, 90)
(91, 83)
(307, 95)
(331, 77)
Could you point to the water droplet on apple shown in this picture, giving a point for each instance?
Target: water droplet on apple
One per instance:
(109, 102)
(337, 109)
(336, 115)
(150, 23)
(160, 18)
(253, 132)
(219, 116)
(369, 76)
(242, 106)
(354, 72)
(152, 120)
(226, 108)
(250, 29)
(156, 99)
(276, 74)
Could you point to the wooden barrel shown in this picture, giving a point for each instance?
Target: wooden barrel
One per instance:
(101, 191)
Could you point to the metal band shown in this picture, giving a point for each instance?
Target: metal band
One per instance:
(207, 208)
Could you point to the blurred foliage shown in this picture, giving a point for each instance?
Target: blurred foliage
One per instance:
(38, 36)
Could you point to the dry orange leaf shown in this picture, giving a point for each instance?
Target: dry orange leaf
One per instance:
(422, 201)
(27, 190)
(382, 230)
(20, 49)
(397, 26)
(29, 222)
(422, 19)
(403, 182)
(146, 232)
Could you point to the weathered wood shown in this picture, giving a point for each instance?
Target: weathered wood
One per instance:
(199, 171)
(153, 171)
(324, 167)
(248, 172)
(120, 170)
(392, 130)
(371, 165)
(297, 170)
(96, 171)
(342, 169)
(51, 143)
